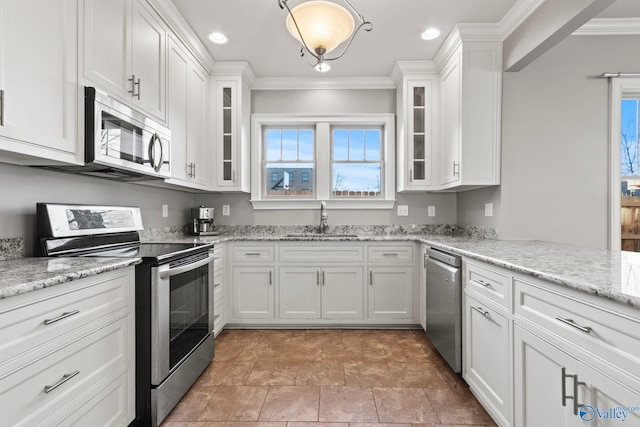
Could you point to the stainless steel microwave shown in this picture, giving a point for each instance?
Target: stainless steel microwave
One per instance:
(119, 137)
(121, 143)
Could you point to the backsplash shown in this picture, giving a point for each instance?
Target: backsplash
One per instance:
(11, 248)
(472, 232)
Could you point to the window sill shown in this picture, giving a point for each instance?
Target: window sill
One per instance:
(315, 204)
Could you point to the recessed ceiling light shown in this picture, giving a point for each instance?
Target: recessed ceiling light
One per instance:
(430, 34)
(218, 38)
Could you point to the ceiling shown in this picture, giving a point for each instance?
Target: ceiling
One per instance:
(257, 33)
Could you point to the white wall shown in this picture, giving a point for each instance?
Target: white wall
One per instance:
(21, 187)
(555, 141)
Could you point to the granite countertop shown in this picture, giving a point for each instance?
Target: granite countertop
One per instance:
(22, 275)
(612, 275)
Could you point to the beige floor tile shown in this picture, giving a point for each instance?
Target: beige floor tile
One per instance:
(324, 336)
(378, 351)
(403, 405)
(192, 424)
(255, 424)
(226, 373)
(347, 404)
(457, 406)
(273, 372)
(235, 403)
(379, 425)
(414, 375)
(366, 374)
(343, 352)
(318, 424)
(300, 351)
(191, 405)
(291, 403)
(320, 373)
(228, 350)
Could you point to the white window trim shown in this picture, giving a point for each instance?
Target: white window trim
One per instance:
(619, 87)
(322, 125)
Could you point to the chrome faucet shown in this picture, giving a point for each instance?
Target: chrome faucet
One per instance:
(324, 216)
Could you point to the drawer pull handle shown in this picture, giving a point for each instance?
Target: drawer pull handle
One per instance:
(390, 254)
(62, 316)
(217, 285)
(252, 254)
(480, 310)
(65, 378)
(483, 283)
(216, 316)
(570, 322)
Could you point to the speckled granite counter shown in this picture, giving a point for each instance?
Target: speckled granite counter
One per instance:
(615, 276)
(24, 275)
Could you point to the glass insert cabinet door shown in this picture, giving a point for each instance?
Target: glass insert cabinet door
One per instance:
(416, 138)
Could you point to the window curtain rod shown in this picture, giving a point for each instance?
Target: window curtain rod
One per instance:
(613, 75)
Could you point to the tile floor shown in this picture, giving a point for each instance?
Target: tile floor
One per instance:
(327, 378)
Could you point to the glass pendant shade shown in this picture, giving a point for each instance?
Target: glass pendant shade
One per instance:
(323, 24)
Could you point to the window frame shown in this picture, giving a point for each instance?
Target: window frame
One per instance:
(619, 88)
(323, 125)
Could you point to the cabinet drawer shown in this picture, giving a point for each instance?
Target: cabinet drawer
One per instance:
(322, 253)
(252, 253)
(218, 292)
(488, 283)
(218, 316)
(596, 328)
(390, 254)
(51, 318)
(23, 399)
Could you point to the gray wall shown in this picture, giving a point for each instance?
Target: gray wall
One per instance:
(555, 141)
(22, 187)
(470, 207)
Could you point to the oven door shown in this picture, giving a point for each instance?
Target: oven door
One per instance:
(181, 311)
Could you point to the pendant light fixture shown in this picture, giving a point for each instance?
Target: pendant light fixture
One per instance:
(321, 26)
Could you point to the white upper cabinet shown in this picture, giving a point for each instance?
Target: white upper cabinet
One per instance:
(187, 85)
(39, 94)
(125, 53)
(470, 69)
(231, 100)
(417, 86)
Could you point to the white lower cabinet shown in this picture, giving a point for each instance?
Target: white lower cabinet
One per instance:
(390, 292)
(253, 293)
(219, 315)
(487, 361)
(67, 353)
(323, 283)
(320, 293)
(571, 391)
(574, 355)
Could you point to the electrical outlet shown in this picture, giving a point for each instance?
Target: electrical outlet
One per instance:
(488, 209)
(165, 211)
(403, 210)
(226, 210)
(431, 211)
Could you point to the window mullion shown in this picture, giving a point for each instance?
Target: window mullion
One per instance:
(323, 160)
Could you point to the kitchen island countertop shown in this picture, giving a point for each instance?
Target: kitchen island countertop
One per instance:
(22, 275)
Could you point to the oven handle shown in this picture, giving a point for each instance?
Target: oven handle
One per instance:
(184, 268)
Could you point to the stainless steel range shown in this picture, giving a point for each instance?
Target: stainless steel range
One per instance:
(174, 297)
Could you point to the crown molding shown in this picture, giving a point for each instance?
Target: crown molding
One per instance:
(235, 69)
(411, 68)
(183, 31)
(303, 83)
(610, 27)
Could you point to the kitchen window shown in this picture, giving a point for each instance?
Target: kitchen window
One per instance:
(347, 161)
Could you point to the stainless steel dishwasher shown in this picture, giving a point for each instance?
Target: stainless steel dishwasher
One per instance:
(444, 305)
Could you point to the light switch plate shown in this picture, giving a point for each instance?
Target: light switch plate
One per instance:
(403, 210)
(165, 211)
(226, 210)
(488, 209)
(431, 211)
